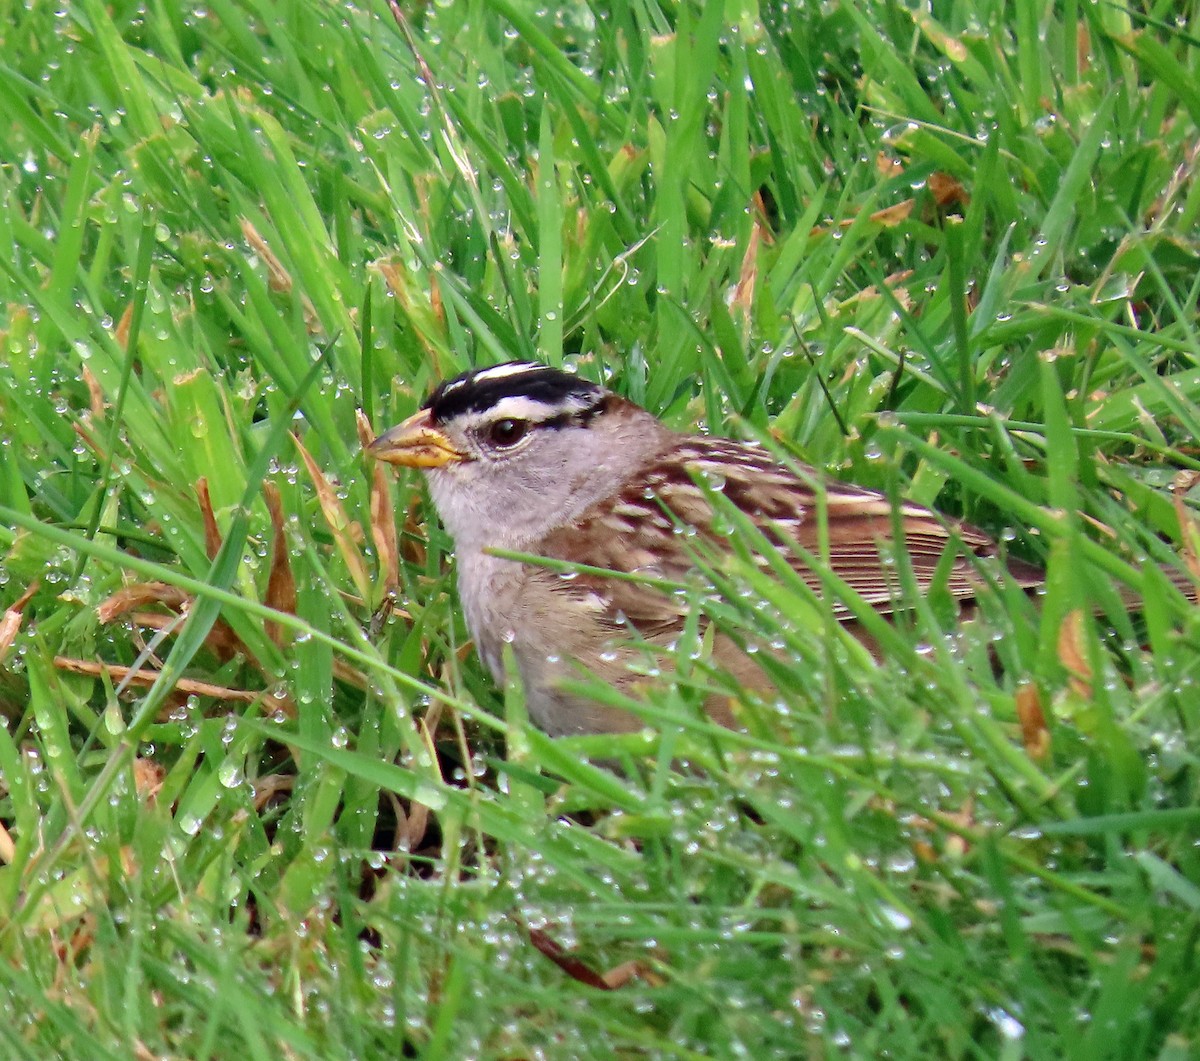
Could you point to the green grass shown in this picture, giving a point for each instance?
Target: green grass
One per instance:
(948, 251)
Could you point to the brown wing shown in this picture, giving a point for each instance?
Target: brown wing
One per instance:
(627, 533)
(624, 534)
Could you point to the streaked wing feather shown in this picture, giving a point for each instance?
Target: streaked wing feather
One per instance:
(626, 533)
(649, 610)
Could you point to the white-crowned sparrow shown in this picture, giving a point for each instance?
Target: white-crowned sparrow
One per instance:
(530, 459)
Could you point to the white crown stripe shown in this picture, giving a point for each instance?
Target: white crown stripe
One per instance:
(506, 371)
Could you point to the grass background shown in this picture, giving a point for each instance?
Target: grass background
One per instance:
(947, 250)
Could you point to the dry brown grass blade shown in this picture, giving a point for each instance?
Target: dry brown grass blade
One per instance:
(418, 825)
(1034, 733)
(10, 623)
(574, 967)
(148, 778)
(8, 848)
(441, 116)
(888, 217)
(763, 217)
(400, 834)
(743, 293)
(140, 595)
(1072, 654)
(418, 813)
(947, 190)
(888, 166)
(281, 583)
(412, 547)
(579, 970)
(891, 216)
(1189, 532)
(268, 787)
(147, 676)
(620, 975)
(396, 283)
(85, 436)
(954, 845)
(396, 278)
(212, 533)
(95, 393)
(435, 300)
(346, 533)
(123, 325)
(411, 825)
(278, 278)
(221, 641)
(894, 283)
(383, 519)
(349, 675)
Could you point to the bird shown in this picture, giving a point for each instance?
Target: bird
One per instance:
(521, 457)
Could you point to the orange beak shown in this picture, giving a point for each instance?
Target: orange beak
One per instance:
(416, 443)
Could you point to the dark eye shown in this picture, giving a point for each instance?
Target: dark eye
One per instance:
(507, 432)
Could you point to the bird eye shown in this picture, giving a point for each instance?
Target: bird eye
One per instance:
(507, 432)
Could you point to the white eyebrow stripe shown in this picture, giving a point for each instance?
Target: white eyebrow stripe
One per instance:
(520, 407)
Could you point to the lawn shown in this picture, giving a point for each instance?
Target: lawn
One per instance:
(258, 797)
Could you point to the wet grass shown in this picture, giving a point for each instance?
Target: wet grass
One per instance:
(258, 798)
